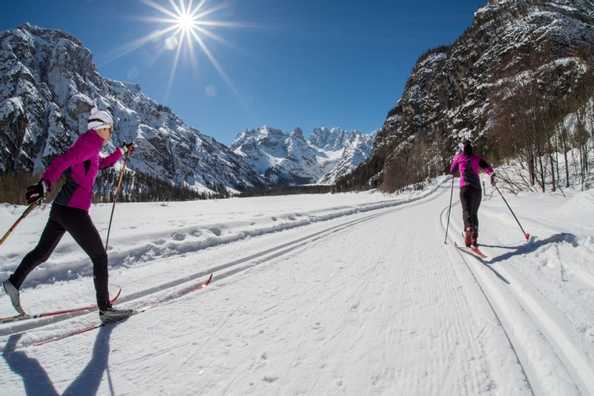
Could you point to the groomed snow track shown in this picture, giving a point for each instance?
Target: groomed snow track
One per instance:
(368, 303)
(171, 290)
(550, 360)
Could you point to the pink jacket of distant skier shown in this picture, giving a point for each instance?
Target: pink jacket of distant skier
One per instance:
(80, 163)
(469, 167)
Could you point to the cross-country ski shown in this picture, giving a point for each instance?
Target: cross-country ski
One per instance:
(101, 323)
(61, 312)
(474, 251)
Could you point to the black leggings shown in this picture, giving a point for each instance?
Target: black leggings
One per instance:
(78, 224)
(470, 197)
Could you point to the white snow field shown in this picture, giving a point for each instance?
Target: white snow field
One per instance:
(352, 294)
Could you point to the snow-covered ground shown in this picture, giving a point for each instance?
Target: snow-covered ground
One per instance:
(145, 232)
(316, 294)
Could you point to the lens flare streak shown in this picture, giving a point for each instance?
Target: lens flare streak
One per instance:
(186, 24)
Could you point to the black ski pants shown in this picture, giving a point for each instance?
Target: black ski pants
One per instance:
(470, 197)
(78, 224)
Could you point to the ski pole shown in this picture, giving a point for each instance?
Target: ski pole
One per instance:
(16, 223)
(445, 241)
(526, 235)
(115, 198)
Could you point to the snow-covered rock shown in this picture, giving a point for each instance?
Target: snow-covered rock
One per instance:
(456, 91)
(290, 158)
(48, 85)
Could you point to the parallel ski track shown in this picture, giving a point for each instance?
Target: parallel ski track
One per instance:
(568, 352)
(262, 256)
(578, 366)
(117, 259)
(489, 303)
(232, 267)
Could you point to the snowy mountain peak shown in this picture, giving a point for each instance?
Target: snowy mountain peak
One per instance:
(333, 138)
(292, 159)
(510, 9)
(297, 134)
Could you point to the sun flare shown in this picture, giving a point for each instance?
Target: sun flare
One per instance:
(186, 25)
(186, 22)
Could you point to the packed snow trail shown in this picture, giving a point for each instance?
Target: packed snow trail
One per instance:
(365, 309)
(372, 303)
(544, 315)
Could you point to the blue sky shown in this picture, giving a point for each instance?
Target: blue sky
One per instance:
(293, 63)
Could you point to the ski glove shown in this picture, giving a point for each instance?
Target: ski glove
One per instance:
(36, 192)
(493, 180)
(128, 148)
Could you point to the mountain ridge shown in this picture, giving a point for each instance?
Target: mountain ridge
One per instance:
(290, 158)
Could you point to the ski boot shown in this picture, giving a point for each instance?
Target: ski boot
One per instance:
(110, 314)
(14, 295)
(474, 238)
(468, 233)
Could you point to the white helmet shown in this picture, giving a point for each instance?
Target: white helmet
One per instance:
(100, 119)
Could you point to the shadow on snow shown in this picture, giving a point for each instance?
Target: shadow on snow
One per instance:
(36, 379)
(532, 246)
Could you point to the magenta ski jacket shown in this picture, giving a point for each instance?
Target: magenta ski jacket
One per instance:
(469, 167)
(80, 163)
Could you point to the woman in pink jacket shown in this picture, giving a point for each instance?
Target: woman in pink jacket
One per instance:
(469, 166)
(69, 212)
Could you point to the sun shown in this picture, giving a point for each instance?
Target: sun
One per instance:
(186, 22)
(184, 25)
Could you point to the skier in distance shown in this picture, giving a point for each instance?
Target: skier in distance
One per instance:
(69, 212)
(469, 166)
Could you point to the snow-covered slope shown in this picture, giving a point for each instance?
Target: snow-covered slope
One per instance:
(329, 307)
(49, 83)
(291, 159)
(357, 149)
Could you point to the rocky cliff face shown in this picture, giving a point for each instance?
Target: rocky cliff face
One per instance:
(292, 159)
(48, 85)
(514, 47)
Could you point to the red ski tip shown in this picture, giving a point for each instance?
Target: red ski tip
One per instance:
(207, 282)
(527, 236)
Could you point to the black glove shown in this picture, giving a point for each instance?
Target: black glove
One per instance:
(493, 180)
(128, 148)
(36, 192)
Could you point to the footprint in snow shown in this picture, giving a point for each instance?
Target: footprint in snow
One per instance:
(216, 231)
(269, 379)
(178, 236)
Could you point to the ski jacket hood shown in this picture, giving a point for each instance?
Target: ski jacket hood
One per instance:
(470, 167)
(80, 163)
